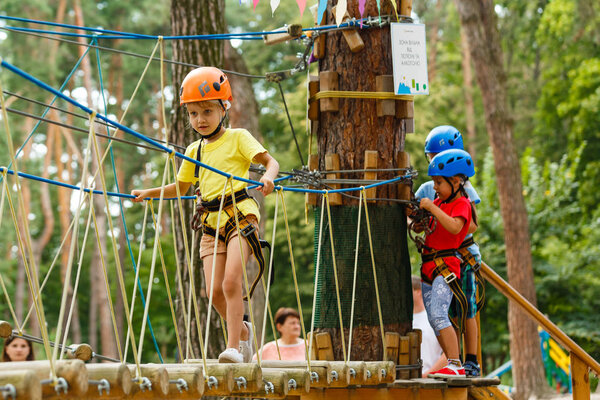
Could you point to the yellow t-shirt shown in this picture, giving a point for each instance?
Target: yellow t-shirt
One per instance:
(232, 153)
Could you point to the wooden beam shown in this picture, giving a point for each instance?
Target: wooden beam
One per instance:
(385, 83)
(275, 384)
(380, 372)
(191, 374)
(404, 188)
(5, 329)
(404, 109)
(313, 89)
(81, 352)
(371, 159)
(158, 377)
(292, 32)
(322, 369)
(26, 384)
(406, 7)
(301, 380)
(404, 357)
(117, 375)
(580, 378)
(414, 353)
(332, 163)
(329, 80)
(319, 45)
(392, 345)
(313, 165)
(324, 346)
(351, 36)
(251, 374)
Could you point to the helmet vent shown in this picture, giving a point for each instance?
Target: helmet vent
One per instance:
(216, 86)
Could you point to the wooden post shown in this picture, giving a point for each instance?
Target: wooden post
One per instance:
(81, 352)
(117, 375)
(358, 372)
(332, 163)
(73, 371)
(224, 376)
(301, 380)
(406, 7)
(324, 346)
(404, 162)
(385, 83)
(158, 377)
(313, 165)
(371, 158)
(313, 351)
(340, 370)
(192, 374)
(293, 31)
(392, 345)
(403, 356)
(322, 369)
(580, 378)
(404, 109)
(5, 330)
(351, 36)
(313, 89)
(26, 384)
(319, 46)
(420, 339)
(380, 372)
(413, 353)
(329, 80)
(250, 373)
(275, 384)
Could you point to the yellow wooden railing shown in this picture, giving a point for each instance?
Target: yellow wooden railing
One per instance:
(581, 362)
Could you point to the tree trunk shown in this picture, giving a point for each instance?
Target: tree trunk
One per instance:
(478, 21)
(468, 91)
(349, 132)
(194, 17)
(433, 40)
(244, 113)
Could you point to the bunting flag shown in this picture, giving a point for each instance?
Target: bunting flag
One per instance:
(379, 10)
(301, 6)
(255, 2)
(361, 9)
(274, 5)
(321, 10)
(340, 11)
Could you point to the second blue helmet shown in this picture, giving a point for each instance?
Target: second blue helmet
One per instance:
(451, 163)
(443, 137)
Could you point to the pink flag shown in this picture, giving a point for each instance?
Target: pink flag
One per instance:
(255, 2)
(301, 5)
(361, 9)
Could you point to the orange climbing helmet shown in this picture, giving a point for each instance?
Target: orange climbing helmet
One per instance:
(205, 83)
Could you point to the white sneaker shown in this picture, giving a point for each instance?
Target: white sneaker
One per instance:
(246, 345)
(230, 355)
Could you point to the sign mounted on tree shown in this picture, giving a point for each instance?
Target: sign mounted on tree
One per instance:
(409, 57)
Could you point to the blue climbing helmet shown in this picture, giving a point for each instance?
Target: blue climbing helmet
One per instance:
(450, 163)
(443, 137)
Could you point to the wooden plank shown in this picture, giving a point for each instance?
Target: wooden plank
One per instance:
(455, 393)
(385, 83)
(404, 188)
(319, 45)
(329, 80)
(332, 163)
(371, 158)
(404, 383)
(392, 344)
(428, 383)
(413, 353)
(324, 346)
(460, 382)
(580, 378)
(351, 36)
(313, 89)
(409, 125)
(313, 165)
(485, 381)
(404, 109)
(403, 357)
(406, 7)
(26, 384)
(5, 329)
(292, 31)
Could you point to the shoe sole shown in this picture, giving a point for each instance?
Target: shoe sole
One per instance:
(227, 360)
(445, 376)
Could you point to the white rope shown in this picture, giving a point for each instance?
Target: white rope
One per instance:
(318, 264)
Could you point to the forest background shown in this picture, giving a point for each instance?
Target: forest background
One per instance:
(552, 59)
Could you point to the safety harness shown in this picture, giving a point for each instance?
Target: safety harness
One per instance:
(247, 230)
(469, 259)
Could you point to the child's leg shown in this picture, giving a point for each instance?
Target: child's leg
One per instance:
(218, 296)
(232, 289)
(440, 299)
(470, 289)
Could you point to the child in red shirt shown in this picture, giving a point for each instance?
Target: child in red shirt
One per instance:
(440, 272)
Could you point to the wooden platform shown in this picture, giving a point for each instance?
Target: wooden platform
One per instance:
(276, 380)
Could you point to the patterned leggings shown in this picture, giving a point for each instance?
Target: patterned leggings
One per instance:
(437, 298)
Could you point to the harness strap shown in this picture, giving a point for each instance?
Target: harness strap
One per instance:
(438, 254)
(454, 283)
(250, 233)
(215, 204)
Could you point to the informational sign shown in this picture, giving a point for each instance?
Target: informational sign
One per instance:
(409, 55)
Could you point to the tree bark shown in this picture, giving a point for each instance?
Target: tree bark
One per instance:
(433, 40)
(468, 92)
(193, 17)
(349, 132)
(479, 23)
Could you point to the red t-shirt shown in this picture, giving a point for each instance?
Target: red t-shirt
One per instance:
(441, 239)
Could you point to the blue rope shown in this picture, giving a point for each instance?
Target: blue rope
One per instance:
(112, 160)
(38, 123)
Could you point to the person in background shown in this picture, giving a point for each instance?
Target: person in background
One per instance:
(291, 346)
(431, 353)
(17, 349)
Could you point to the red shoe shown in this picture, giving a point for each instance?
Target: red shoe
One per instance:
(448, 372)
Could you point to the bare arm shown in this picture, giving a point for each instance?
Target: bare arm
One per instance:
(272, 169)
(473, 226)
(170, 191)
(451, 224)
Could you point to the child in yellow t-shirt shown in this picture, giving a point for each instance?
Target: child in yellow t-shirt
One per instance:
(206, 93)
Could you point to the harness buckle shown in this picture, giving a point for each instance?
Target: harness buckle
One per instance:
(248, 230)
(476, 267)
(450, 278)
